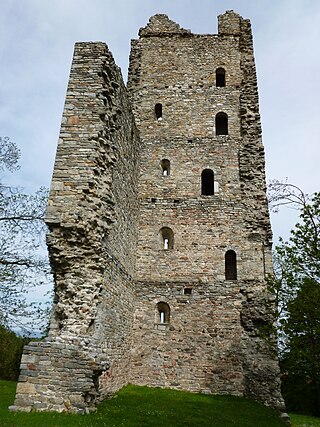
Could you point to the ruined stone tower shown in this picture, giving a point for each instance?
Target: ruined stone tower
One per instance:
(160, 238)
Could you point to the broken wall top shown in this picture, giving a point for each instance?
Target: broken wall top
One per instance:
(160, 24)
(229, 23)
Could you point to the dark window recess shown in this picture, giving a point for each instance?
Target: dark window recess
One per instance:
(167, 238)
(158, 111)
(221, 124)
(207, 182)
(220, 77)
(231, 265)
(165, 166)
(187, 291)
(163, 315)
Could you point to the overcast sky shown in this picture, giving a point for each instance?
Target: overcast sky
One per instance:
(36, 47)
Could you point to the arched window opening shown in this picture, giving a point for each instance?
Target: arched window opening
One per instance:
(163, 312)
(167, 238)
(158, 111)
(220, 77)
(221, 124)
(207, 182)
(231, 265)
(165, 166)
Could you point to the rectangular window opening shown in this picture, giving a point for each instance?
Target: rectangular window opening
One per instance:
(165, 243)
(162, 317)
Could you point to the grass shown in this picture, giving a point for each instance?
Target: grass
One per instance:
(135, 406)
(304, 421)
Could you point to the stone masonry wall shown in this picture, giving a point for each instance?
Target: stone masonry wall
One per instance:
(261, 370)
(200, 348)
(92, 215)
(127, 307)
(219, 333)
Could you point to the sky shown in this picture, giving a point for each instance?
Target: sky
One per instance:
(36, 48)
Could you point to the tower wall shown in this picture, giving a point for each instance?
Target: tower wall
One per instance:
(215, 340)
(92, 215)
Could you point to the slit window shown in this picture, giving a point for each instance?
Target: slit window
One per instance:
(158, 111)
(163, 312)
(231, 265)
(165, 167)
(166, 238)
(221, 124)
(207, 182)
(220, 77)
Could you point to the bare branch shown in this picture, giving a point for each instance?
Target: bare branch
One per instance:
(23, 263)
(285, 194)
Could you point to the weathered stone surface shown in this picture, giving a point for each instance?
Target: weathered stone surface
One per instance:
(111, 196)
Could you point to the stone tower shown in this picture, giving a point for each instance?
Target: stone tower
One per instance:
(160, 238)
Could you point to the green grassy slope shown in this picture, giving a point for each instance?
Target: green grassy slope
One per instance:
(141, 406)
(304, 421)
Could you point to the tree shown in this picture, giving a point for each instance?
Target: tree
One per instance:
(297, 288)
(300, 361)
(23, 261)
(299, 258)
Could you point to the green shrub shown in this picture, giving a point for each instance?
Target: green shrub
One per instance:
(11, 347)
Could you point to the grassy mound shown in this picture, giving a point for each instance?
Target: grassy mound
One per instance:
(142, 406)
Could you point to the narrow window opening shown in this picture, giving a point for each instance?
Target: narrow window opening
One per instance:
(187, 291)
(167, 238)
(158, 111)
(163, 313)
(207, 182)
(166, 243)
(165, 166)
(220, 77)
(221, 124)
(231, 265)
(162, 317)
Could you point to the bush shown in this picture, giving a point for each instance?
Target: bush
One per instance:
(11, 347)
